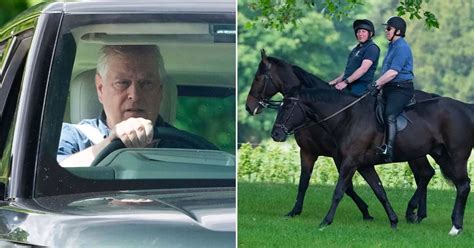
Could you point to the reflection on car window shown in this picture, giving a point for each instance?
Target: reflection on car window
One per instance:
(143, 83)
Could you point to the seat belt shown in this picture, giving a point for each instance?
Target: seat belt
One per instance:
(92, 133)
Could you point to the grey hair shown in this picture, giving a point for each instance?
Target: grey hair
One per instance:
(135, 50)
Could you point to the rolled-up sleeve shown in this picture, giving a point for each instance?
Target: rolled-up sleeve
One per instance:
(372, 53)
(71, 141)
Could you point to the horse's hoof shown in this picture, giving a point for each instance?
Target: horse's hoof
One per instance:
(368, 218)
(419, 219)
(292, 213)
(393, 226)
(413, 218)
(323, 225)
(454, 231)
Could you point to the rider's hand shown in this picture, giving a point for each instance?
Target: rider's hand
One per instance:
(333, 82)
(341, 86)
(373, 89)
(134, 132)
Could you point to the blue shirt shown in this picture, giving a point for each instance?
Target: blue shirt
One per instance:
(368, 50)
(73, 140)
(400, 59)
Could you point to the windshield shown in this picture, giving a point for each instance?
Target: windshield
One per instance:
(176, 72)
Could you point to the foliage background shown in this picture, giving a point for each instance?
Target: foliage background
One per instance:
(443, 65)
(11, 8)
(279, 163)
(443, 57)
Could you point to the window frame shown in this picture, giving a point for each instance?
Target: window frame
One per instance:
(9, 98)
(48, 171)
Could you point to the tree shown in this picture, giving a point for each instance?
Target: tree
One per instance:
(319, 46)
(277, 14)
(9, 9)
(443, 58)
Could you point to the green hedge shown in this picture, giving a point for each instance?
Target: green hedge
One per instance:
(280, 163)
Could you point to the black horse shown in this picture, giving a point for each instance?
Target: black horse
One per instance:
(442, 127)
(276, 76)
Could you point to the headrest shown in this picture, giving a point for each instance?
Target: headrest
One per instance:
(85, 103)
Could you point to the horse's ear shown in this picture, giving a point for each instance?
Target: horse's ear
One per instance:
(263, 56)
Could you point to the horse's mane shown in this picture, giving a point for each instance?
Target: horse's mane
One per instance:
(318, 95)
(307, 79)
(277, 61)
(315, 95)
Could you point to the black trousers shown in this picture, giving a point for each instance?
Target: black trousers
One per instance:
(396, 97)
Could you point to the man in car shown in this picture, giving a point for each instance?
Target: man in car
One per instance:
(129, 82)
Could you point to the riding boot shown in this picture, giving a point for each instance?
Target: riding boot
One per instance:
(390, 135)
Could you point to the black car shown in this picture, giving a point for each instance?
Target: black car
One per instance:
(165, 197)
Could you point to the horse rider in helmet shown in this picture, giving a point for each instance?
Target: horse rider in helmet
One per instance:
(396, 81)
(362, 61)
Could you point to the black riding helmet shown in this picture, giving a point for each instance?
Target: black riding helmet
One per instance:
(398, 23)
(363, 24)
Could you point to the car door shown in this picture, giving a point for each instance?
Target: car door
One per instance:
(14, 51)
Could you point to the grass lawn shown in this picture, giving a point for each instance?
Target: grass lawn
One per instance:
(261, 221)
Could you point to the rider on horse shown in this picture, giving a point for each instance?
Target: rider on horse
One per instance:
(362, 61)
(396, 80)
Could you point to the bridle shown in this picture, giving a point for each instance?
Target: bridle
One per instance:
(263, 101)
(296, 102)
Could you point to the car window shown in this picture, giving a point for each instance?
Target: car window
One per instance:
(205, 108)
(6, 51)
(9, 95)
(198, 97)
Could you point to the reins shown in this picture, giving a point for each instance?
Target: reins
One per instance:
(343, 109)
(285, 129)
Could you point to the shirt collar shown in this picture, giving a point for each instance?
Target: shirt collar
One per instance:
(369, 41)
(397, 42)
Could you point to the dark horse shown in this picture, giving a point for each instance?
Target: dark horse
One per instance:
(275, 76)
(443, 128)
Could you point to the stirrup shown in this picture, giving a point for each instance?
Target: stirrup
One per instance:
(382, 150)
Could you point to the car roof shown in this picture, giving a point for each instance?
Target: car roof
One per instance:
(142, 6)
(116, 6)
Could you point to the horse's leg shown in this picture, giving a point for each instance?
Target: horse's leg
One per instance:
(423, 172)
(363, 207)
(372, 178)
(463, 188)
(455, 169)
(307, 165)
(345, 175)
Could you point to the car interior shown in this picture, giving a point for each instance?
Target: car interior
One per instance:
(192, 58)
(199, 60)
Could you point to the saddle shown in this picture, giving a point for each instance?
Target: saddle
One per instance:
(402, 119)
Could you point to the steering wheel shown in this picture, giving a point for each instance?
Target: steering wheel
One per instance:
(169, 137)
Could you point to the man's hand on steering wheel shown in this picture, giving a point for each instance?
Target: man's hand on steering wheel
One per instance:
(133, 132)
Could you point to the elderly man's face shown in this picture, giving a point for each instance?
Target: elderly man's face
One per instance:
(130, 87)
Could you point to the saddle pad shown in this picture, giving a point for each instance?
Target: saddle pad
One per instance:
(402, 119)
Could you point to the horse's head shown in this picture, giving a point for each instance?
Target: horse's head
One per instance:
(291, 116)
(272, 76)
